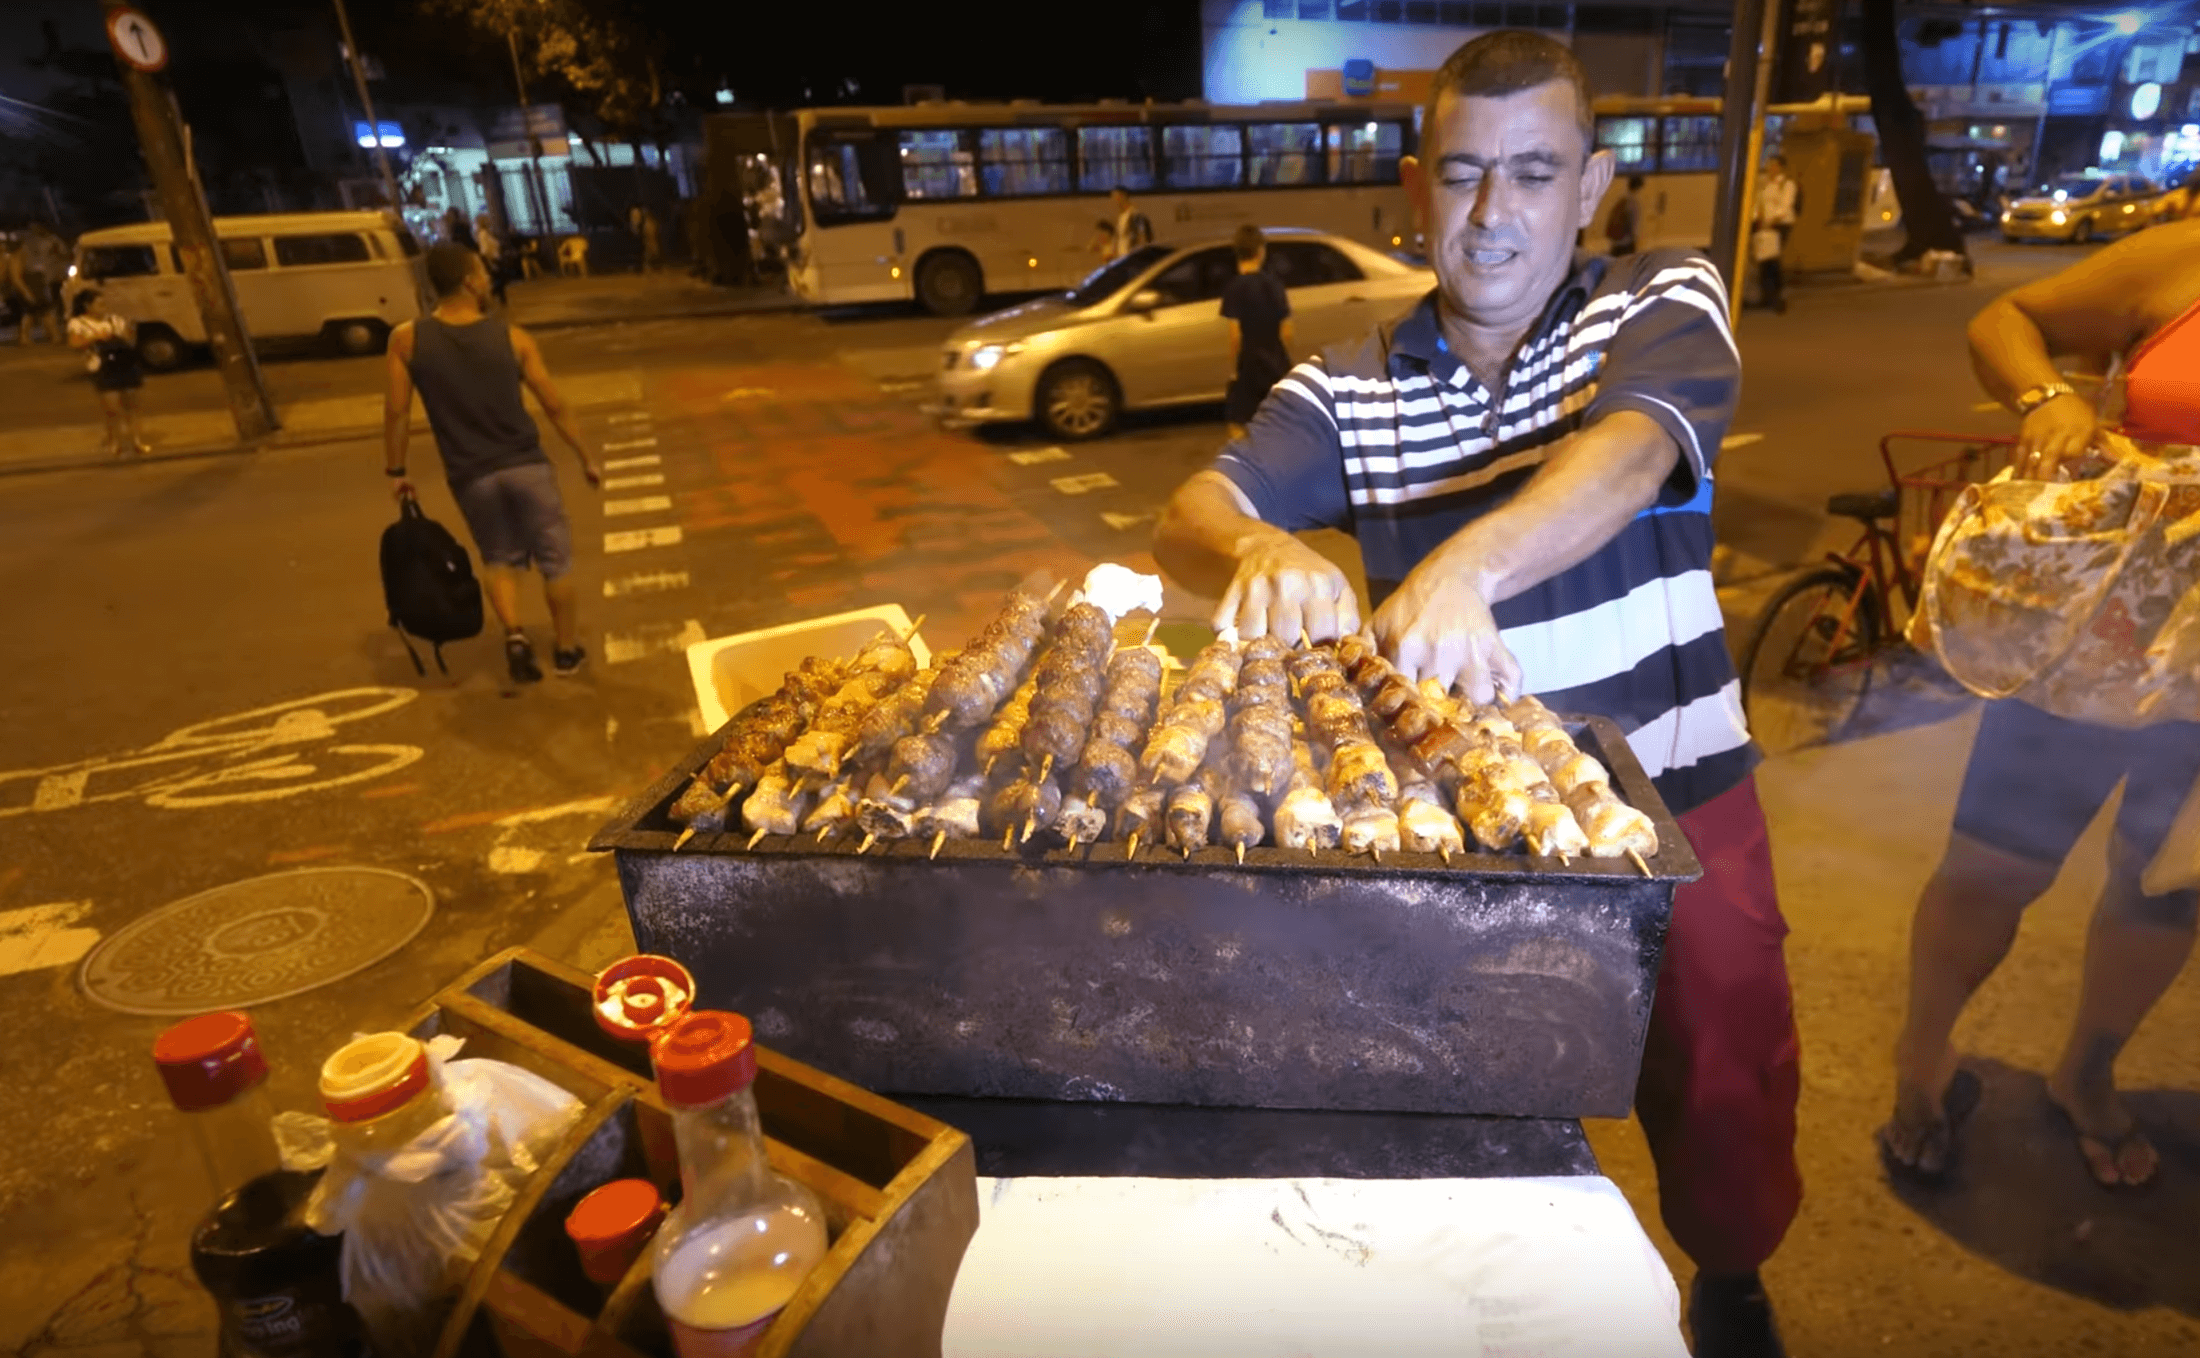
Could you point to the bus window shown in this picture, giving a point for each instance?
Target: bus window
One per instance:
(1690, 143)
(834, 173)
(1632, 142)
(1114, 158)
(1284, 153)
(1365, 153)
(321, 248)
(1210, 157)
(1019, 161)
(934, 164)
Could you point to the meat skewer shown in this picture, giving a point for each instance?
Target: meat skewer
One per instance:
(1069, 681)
(1108, 768)
(1188, 814)
(1241, 821)
(990, 667)
(955, 815)
(1006, 734)
(752, 742)
(1424, 825)
(1135, 818)
(883, 665)
(775, 806)
(1305, 818)
(835, 810)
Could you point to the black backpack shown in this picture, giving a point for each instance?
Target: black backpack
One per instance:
(428, 583)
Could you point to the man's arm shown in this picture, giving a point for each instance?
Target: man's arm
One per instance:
(1237, 344)
(397, 399)
(536, 374)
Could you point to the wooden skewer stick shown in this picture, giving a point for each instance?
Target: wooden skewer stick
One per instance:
(1187, 851)
(822, 832)
(868, 841)
(1132, 851)
(733, 790)
(757, 838)
(1031, 823)
(1153, 625)
(911, 629)
(1637, 860)
(1009, 838)
(1241, 853)
(1073, 843)
(1375, 851)
(1046, 766)
(937, 840)
(990, 761)
(899, 784)
(933, 723)
(1444, 851)
(685, 836)
(1310, 848)
(1059, 586)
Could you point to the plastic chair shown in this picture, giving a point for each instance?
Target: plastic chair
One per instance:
(573, 256)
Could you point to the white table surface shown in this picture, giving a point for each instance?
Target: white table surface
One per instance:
(1295, 1268)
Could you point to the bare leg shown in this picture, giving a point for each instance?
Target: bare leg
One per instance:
(2135, 947)
(501, 584)
(110, 406)
(565, 610)
(138, 444)
(1966, 919)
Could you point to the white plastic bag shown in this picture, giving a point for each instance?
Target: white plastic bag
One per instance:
(414, 1217)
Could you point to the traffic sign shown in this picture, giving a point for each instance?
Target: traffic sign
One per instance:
(135, 39)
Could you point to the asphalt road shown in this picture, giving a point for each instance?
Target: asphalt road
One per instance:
(775, 467)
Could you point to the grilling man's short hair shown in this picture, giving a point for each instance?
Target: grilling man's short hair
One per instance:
(448, 265)
(1506, 62)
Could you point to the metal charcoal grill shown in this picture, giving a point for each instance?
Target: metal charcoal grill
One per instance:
(1503, 984)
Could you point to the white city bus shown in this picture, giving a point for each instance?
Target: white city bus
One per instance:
(946, 202)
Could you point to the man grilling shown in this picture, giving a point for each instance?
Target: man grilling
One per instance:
(1526, 460)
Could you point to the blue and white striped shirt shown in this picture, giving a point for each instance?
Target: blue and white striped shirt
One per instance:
(1391, 438)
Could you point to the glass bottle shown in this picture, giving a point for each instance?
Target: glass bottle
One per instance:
(733, 1253)
(274, 1279)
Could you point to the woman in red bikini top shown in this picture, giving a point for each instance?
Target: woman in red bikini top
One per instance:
(2035, 780)
(2138, 299)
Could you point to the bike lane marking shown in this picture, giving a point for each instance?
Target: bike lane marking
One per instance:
(38, 937)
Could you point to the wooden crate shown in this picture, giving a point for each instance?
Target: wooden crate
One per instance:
(899, 1189)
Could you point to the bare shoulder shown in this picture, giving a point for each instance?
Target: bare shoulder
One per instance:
(2149, 278)
(401, 339)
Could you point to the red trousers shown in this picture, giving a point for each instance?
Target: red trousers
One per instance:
(1720, 1071)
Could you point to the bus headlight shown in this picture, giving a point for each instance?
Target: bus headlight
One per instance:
(988, 356)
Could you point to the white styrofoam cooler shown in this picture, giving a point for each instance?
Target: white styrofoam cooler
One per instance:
(729, 673)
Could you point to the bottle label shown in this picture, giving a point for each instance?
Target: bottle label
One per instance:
(689, 1342)
(291, 1323)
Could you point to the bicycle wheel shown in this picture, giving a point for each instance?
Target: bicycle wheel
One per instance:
(1799, 685)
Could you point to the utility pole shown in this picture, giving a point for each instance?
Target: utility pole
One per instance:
(1741, 138)
(538, 196)
(140, 55)
(366, 101)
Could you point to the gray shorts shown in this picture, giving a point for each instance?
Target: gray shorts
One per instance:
(518, 518)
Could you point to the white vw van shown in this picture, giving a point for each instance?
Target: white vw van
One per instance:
(346, 278)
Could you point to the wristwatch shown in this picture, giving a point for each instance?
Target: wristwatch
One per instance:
(394, 473)
(2042, 394)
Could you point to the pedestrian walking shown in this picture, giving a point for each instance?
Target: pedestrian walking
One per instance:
(1259, 311)
(491, 248)
(36, 269)
(110, 345)
(2036, 777)
(1133, 231)
(1624, 222)
(1777, 199)
(1509, 556)
(468, 367)
(645, 227)
(456, 229)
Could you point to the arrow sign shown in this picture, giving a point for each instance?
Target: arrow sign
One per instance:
(136, 41)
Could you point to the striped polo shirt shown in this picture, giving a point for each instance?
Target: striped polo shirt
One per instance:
(1394, 440)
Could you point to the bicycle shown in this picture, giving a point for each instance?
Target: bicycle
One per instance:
(1816, 644)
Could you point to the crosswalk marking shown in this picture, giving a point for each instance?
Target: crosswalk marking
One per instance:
(645, 582)
(624, 444)
(634, 482)
(1035, 455)
(630, 417)
(634, 539)
(621, 648)
(1740, 440)
(640, 504)
(41, 936)
(1078, 485)
(620, 464)
(1119, 522)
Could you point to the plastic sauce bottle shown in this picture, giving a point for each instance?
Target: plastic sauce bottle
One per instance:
(732, 1254)
(273, 1278)
(612, 1225)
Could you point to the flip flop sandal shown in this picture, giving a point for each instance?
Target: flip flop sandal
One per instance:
(1956, 1106)
(2112, 1151)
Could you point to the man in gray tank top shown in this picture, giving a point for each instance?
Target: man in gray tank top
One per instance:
(468, 366)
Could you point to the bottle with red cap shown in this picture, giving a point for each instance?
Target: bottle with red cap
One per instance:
(731, 1255)
(273, 1278)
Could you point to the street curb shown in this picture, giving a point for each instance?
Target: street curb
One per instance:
(773, 307)
(195, 453)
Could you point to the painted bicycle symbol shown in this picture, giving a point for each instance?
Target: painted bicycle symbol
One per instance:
(257, 756)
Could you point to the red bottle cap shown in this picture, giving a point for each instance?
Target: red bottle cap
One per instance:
(638, 997)
(610, 1226)
(377, 1074)
(209, 1060)
(704, 1056)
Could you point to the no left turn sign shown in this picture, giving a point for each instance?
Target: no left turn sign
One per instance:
(135, 39)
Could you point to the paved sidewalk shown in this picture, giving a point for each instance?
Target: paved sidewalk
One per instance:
(552, 303)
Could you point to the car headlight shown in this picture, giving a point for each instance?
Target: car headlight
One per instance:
(2058, 216)
(2005, 219)
(988, 356)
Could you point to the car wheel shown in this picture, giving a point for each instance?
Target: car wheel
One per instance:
(949, 284)
(160, 349)
(2084, 234)
(356, 338)
(1078, 400)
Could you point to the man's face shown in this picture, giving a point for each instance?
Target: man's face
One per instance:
(1502, 186)
(477, 281)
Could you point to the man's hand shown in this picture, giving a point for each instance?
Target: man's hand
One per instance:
(2059, 431)
(591, 472)
(1285, 589)
(402, 490)
(1438, 626)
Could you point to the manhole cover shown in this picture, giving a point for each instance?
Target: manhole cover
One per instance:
(257, 940)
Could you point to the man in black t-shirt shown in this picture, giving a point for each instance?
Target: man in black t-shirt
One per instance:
(1260, 329)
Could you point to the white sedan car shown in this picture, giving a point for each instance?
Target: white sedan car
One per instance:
(1147, 330)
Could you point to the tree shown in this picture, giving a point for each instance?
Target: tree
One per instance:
(1928, 223)
(600, 54)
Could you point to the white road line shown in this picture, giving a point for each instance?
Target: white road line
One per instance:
(620, 464)
(1036, 455)
(1078, 485)
(640, 504)
(896, 386)
(634, 482)
(1119, 522)
(624, 444)
(748, 393)
(645, 582)
(630, 417)
(634, 539)
(41, 936)
(1739, 441)
(620, 648)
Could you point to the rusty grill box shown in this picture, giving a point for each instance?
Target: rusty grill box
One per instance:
(1503, 984)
